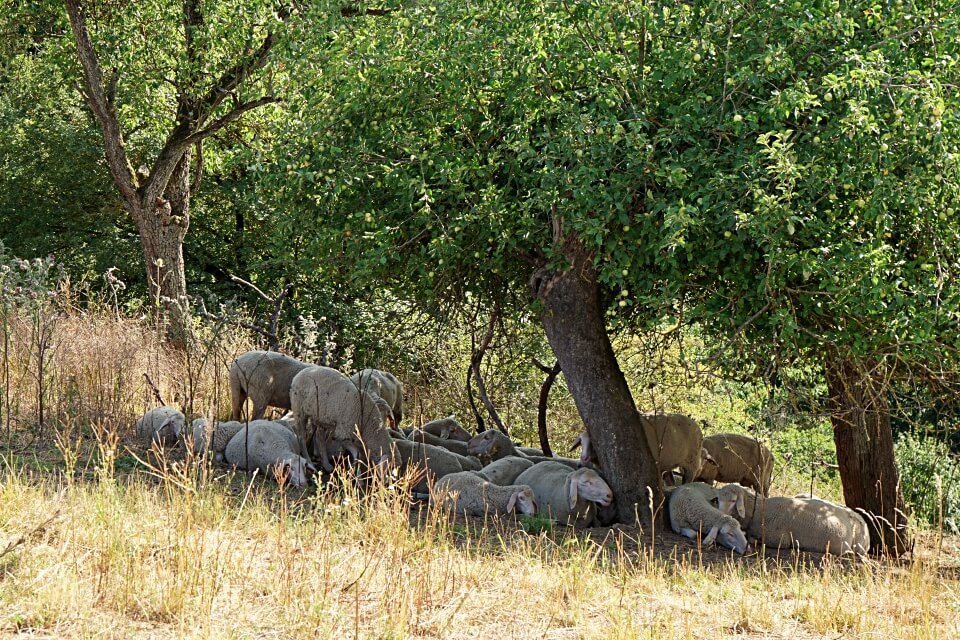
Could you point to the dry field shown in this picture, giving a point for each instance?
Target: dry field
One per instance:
(98, 539)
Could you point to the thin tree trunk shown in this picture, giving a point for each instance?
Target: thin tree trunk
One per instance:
(552, 374)
(868, 470)
(574, 321)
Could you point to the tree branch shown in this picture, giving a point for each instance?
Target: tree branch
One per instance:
(101, 103)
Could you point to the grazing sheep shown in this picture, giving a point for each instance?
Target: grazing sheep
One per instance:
(468, 493)
(436, 462)
(674, 440)
(731, 457)
(329, 407)
(567, 496)
(272, 448)
(692, 514)
(447, 428)
(494, 445)
(807, 524)
(505, 470)
(385, 385)
(163, 425)
(264, 377)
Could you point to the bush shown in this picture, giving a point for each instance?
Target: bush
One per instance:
(929, 479)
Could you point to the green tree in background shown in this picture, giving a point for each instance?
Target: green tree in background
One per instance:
(784, 177)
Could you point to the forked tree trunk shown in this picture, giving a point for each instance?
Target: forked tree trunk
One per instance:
(860, 415)
(574, 322)
(162, 226)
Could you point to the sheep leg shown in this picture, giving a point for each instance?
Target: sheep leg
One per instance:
(712, 534)
(687, 532)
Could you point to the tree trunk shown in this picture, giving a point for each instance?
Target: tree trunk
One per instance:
(860, 415)
(162, 226)
(574, 321)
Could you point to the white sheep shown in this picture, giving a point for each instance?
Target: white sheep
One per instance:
(163, 425)
(384, 385)
(220, 434)
(566, 495)
(265, 378)
(271, 448)
(806, 524)
(494, 445)
(468, 493)
(674, 440)
(691, 514)
(505, 470)
(418, 435)
(731, 457)
(447, 428)
(328, 407)
(435, 462)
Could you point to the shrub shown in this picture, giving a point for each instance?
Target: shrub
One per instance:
(929, 479)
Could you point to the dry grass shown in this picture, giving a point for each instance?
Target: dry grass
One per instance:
(94, 543)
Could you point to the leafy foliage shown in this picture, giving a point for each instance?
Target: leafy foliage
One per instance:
(930, 480)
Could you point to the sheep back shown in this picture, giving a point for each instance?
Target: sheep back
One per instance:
(385, 385)
(675, 441)
(164, 425)
(265, 445)
(737, 458)
(505, 470)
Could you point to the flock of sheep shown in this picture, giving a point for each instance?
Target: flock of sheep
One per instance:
(357, 420)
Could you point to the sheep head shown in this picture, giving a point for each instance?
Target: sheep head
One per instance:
(730, 500)
(523, 500)
(488, 443)
(708, 467)
(728, 534)
(587, 484)
(452, 430)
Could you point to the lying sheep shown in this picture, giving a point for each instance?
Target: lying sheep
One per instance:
(436, 462)
(418, 435)
(494, 445)
(385, 385)
(328, 407)
(271, 448)
(565, 495)
(468, 493)
(447, 428)
(163, 425)
(692, 514)
(505, 470)
(674, 440)
(220, 433)
(731, 457)
(807, 524)
(264, 377)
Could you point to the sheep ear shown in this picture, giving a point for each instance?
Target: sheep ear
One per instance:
(512, 503)
(576, 443)
(712, 534)
(574, 482)
(741, 509)
(445, 432)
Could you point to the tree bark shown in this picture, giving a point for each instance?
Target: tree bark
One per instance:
(860, 415)
(574, 321)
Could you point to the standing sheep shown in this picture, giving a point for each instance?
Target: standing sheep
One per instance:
(163, 425)
(674, 440)
(468, 493)
(731, 457)
(810, 525)
(264, 377)
(692, 514)
(272, 448)
(327, 407)
(494, 445)
(384, 385)
(567, 496)
(447, 428)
